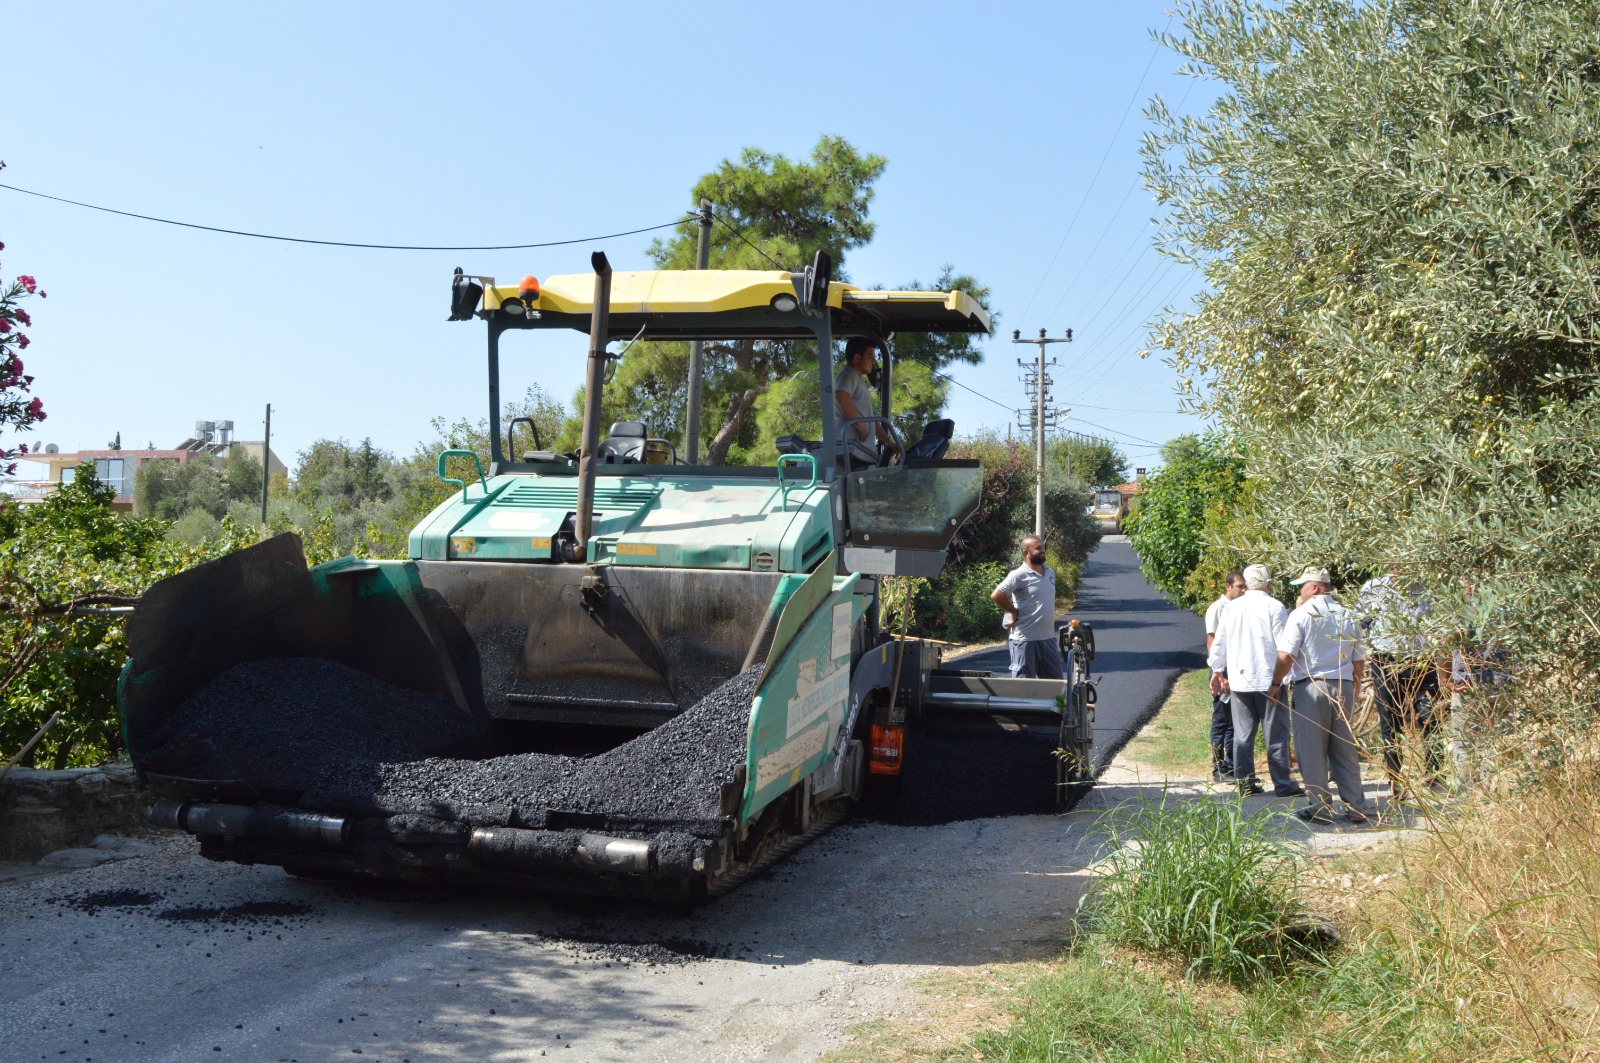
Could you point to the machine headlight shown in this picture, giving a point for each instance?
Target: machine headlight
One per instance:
(513, 307)
(784, 303)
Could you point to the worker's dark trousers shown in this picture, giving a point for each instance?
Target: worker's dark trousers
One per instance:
(1252, 709)
(1221, 736)
(1405, 695)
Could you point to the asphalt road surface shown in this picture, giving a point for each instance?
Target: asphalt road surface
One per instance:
(167, 957)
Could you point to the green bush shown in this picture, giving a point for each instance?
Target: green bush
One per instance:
(1203, 881)
(54, 656)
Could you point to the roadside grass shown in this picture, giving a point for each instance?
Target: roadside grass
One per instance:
(1177, 739)
(1479, 941)
(1207, 883)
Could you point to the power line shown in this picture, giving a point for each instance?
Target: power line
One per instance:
(1003, 405)
(1090, 188)
(732, 229)
(1113, 431)
(1084, 264)
(339, 243)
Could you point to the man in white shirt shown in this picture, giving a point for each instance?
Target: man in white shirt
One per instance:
(852, 398)
(1321, 655)
(1028, 598)
(1244, 652)
(1221, 708)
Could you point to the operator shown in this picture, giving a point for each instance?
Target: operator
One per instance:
(852, 397)
(1028, 597)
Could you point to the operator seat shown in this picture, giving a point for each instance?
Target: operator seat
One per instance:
(934, 442)
(624, 444)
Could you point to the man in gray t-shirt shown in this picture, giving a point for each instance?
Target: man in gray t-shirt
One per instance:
(1028, 597)
(852, 397)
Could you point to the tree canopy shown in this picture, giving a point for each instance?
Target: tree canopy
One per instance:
(773, 212)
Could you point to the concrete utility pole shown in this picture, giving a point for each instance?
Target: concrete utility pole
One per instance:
(691, 416)
(266, 462)
(1037, 381)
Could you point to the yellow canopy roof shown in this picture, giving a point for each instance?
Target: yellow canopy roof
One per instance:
(682, 302)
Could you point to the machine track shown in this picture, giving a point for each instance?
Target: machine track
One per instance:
(775, 852)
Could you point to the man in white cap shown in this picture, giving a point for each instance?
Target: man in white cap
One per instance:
(1244, 653)
(1321, 655)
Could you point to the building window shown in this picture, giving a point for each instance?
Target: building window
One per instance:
(69, 474)
(109, 470)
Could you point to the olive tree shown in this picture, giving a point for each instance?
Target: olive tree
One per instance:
(1396, 205)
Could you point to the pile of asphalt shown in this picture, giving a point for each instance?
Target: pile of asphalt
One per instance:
(598, 947)
(281, 723)
(668, 779)
(116, 900)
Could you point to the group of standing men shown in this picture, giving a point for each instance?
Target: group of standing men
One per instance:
(1295, 673)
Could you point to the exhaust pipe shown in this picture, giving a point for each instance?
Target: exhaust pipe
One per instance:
(594, 384)
(266, 823)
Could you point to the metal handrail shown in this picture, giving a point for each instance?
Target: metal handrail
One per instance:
(795, 459)
(848, 439)
(463, 484)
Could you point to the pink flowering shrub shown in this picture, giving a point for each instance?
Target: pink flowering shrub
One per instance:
(17, 410)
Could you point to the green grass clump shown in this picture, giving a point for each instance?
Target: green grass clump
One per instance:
(1177, 740)
(1203, 881)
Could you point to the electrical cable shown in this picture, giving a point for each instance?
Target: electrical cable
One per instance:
(1113, 431)
(981, 395)
(734, 230)
(341, 243)
(1084, 201)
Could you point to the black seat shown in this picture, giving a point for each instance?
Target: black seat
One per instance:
(624, 444)
(934, 442)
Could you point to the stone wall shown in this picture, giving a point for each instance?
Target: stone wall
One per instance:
(42, 811)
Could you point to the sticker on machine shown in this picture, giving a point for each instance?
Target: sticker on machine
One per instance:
(842, 623)
(789, 757)
(814, 697)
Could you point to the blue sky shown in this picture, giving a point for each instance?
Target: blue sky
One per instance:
(475, 124)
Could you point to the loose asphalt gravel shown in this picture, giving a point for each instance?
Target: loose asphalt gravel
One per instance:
(670, 777)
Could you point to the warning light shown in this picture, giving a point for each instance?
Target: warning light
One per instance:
(885, 750)
(529, 289)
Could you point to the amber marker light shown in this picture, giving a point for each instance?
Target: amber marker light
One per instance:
(529, 289)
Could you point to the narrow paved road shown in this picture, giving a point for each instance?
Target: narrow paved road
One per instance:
(167, 957)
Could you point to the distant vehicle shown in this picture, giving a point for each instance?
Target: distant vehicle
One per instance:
(1109, 508)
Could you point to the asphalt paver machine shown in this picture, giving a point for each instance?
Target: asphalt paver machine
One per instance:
(605, 593)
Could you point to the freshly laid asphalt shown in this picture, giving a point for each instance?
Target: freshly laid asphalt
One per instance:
(1142, 644)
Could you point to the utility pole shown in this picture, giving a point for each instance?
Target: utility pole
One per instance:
(691, 415)
(266, 462)
(1037, 381)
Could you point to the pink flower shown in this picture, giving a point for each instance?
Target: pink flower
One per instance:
(36, 409)
(5, 326)
(27, 282)
(44, 295)
(22, 316)
(23, 341)
(16, 368)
